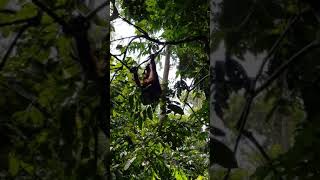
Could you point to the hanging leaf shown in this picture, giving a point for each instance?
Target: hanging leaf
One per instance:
(221, 154)
(176, 109)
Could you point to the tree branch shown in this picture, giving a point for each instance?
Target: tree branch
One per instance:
(115, 12)
(123, 63)
(95, 11)
(115, 73)
(185, 40)
(250, 136)
(275, 46)
(18, 89)
(19, 21)
(7, 11)
(14, 42)
(54, 16)
(280, 70)
(195, 85)
(126, 50)
(264, 154)
(123, 38)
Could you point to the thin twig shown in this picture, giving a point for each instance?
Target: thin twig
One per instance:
(264, 154)
(14, 42)
(126, 50)
(115, 73)
(54, 16)
(202, 79)
(184, 40)
(123, 38)
(123, 63)
(95, 11)
(19, 21)
(280, 70)
(155, 55)
(275, 46)
(250, 136)
(7, 11)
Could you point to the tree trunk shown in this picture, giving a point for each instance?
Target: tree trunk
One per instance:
(163, 104)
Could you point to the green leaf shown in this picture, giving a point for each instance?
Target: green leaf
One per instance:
(221, 154)
(129, 162)
(28, 10)
(176, 109)
(36, 116)
(3, 3)
(199, 178)
(180, 175)
(20, 116)
(13, 164)
(28, 167)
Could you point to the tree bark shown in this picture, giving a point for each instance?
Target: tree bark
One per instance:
(163, 104)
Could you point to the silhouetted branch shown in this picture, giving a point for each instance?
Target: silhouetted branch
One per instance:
(280, 70)
(7, 11)
(54, 16)
(250, 136)
(115, 12)
(123, 38)
(19, 21)
(14, 42)
(202, 79)
(95, 11)
(115, 73)
(184, 40)
(275, 46)
(123, 63)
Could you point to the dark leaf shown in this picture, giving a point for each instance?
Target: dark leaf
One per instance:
(149, 112)
(216, 131)
(221, 154)
(237, 75)
(176, 109)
